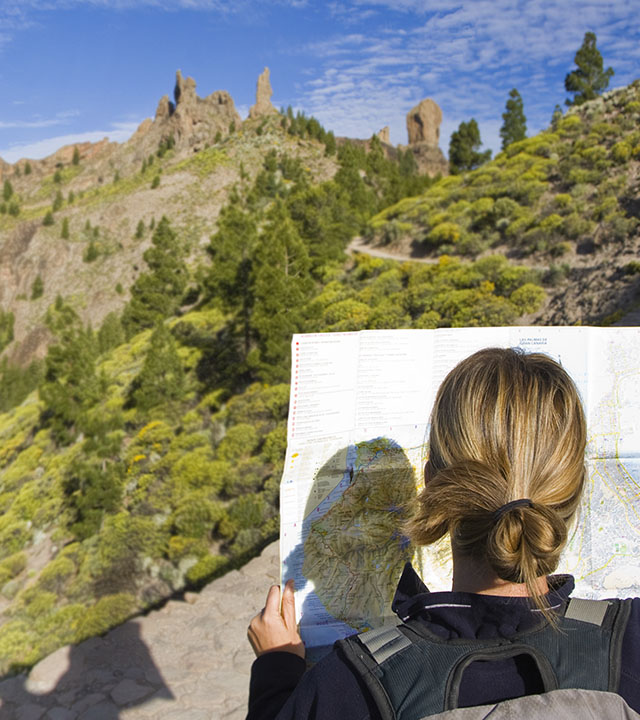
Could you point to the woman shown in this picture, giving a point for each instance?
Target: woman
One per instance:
(504, 480)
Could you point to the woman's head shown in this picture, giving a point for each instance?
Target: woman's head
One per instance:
(505, 425)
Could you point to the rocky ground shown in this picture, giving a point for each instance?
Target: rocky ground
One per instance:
(190, 660)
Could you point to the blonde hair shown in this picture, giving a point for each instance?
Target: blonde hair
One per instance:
(505, 425)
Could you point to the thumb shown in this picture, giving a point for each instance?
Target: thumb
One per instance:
(289, 605)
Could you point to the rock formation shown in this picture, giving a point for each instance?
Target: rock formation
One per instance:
(264, 92)
(423, 129)
(193, 122)
(423, 123)
(383, 135)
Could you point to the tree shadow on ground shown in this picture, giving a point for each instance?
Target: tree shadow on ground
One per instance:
(95, 680)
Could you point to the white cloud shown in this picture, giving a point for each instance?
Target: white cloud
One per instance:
(60, 118)
(119, 132)
(466, 55)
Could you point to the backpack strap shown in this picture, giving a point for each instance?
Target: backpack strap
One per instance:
(367, 669)
(614, 612)
(623, 611)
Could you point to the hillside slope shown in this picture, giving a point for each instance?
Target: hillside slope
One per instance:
(566, 200)
(183, 164)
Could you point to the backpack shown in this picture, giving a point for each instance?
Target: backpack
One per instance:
(412, 674)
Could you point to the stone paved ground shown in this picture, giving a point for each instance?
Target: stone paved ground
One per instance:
(187, 661)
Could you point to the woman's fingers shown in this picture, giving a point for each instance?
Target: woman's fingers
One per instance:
(275, 629)
(289, 605)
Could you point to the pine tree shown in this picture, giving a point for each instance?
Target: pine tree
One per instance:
(7, 190)
(76, 156)
(7, 320)
(156, 294)
(57, 202)
(111, 333)
(139, 230)
(230, 278)
(514, 122)
(64, 233)
(330, 143)
(57, 176)
(464, 148)
(27, 168)
(70, 386)
(37, 289)
(590, 78)
(282, 286)
(48, 219)
(161, 378)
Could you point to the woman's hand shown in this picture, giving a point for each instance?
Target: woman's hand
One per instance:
(272, 630)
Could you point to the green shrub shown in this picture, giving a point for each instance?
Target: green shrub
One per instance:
(206, 569)
(428, 320)
(607, 206)
(559, 249)
(196, 516)
(632, 268)
(108, 612)
(91, 253)
(180, 547)
(528, 298)
(346, 315)
(48, 219)
(575, 226)
(563, 200)
(56, 573)
(40, 603)
(621, 152)
(444, 233)
(568, 125)
(155, 182)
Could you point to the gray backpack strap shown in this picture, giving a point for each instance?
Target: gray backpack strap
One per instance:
(585, 704)
(590, 611)
(367, 669)
(596, 612)
(384, 642)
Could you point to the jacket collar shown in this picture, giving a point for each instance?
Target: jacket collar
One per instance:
(461, 614)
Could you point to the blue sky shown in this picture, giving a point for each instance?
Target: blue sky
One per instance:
(74, 70)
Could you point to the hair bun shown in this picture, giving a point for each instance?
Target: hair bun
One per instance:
(522, 502)
(524, 542)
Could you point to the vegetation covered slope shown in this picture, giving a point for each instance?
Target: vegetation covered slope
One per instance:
(566, 199)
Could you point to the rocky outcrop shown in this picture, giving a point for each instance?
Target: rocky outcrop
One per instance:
(423, 129)
(264, 92)
(383, 135)
(423, 123)
(165, 109)
(191, 121)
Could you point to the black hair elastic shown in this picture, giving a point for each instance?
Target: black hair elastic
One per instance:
(523, 502)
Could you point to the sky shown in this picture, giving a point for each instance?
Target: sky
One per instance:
(78, 70)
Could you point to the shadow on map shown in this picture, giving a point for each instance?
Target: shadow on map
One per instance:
(98, 679)
(355, 548)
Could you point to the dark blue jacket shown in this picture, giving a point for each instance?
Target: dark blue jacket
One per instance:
(281, 688)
